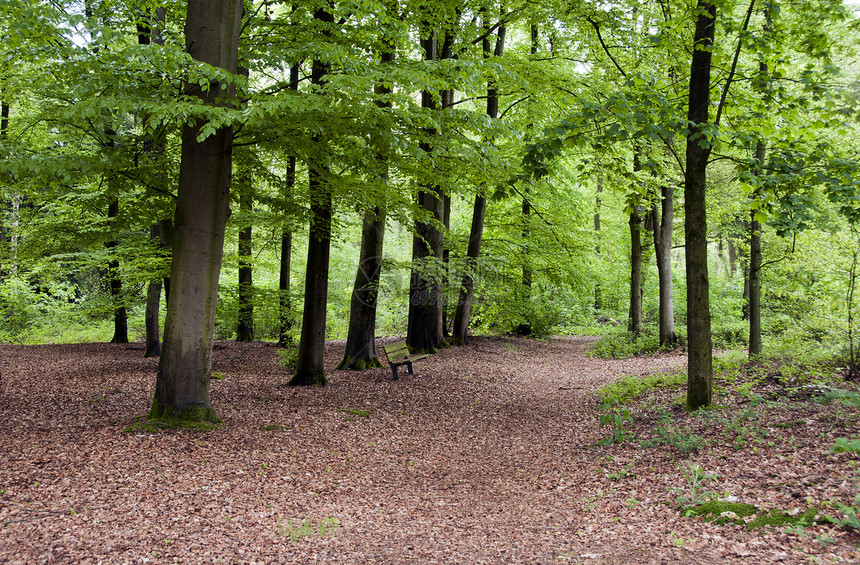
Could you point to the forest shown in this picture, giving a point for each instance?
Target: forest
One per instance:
(513, 188)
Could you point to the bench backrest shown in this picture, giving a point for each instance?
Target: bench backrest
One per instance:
(396, 351)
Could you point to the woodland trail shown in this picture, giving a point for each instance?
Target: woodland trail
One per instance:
(486, 455)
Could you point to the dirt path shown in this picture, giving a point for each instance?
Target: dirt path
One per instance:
(486, 455)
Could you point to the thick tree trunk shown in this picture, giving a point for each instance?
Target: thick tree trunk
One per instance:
(700, 353)
(182, 386)
(663, 254)
(360, 350)
(476, 233)
(310, 370)
(245, 323)
(422, 329)
(309, 363)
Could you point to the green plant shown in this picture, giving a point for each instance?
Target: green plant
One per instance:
(630, 387)
(288, 357)
(666, 433)
(616, 415)
(218, 376)
(694, 493)
(305, 528)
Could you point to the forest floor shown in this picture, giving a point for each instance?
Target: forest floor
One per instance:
(488, 454)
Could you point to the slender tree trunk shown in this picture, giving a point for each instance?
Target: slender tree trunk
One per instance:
(284, 300)
(152, 346)
(245, 324)
(182, 385)
(360, 351)
(700, 353)
(476, 233)
(663, 254)
(634, 324)
(598, 293)
(755, 342)
(310, 369)
(4, 128)
(120, 316)
(149, 31)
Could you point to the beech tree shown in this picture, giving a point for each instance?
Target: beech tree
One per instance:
(182, 383)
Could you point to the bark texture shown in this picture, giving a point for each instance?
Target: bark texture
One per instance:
(309, 363)
(662, 217)
(423, 331)
(360, 351)
(476, 232)
(182, 385)
(700, 359)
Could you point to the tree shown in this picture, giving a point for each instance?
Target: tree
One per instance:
(309, 368)
(699, 144)
(476, 232)
(182, 383)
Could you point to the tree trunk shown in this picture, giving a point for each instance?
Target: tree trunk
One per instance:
(755, 341)
(4, 127)
(476, 233)
(309, 363)
(700, 353)
(285, 317)
(120, 316)
(598, 293)
(152, 346)
(360, 350)
(284, 302)
(662, 220)
(245, 323)
(634, 323)
(148, 31)
(422, 331)
(361, 338)
(182, 386)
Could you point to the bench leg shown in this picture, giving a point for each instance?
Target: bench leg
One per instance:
(409, 368)
(394, 372)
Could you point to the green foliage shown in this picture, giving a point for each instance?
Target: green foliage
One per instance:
(630, 387)
(619, 343)
(306, 528)
(667, 433)
(615, 415)
(694, 493)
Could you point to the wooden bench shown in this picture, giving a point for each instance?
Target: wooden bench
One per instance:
(398, 354)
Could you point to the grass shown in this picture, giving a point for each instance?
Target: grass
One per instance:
(305, 528)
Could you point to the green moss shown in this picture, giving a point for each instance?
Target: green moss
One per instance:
(274, 428)
(350, 364)
(218, 376)
(308, 377)
(724, 512)
(780, 519)
(193, 417)
(721, 511)
(361, 413)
